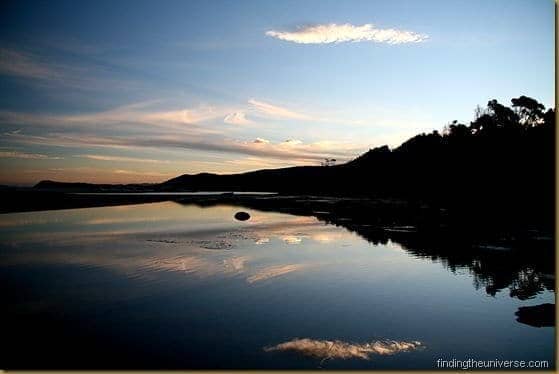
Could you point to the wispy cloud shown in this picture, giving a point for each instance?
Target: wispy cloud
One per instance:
(290, 151)
(138, 113)
(89, 175)
(276, 111)
(52, 70)
(123, 159)
(22, 64)
(248, 163)
(144, 124)
(183, 116)
(334, 33)
(24, 155)
(143, 173)
(336, 349)
(133, 114)
(237, 118)
(152, 125)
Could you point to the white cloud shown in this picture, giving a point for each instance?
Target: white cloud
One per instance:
(334, 33)
(237, 118)
(327, 349)
(260, 141)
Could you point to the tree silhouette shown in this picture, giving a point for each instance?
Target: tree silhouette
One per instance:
(530, 112)
(328, 162)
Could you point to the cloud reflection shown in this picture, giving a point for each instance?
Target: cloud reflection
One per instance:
(261, 241)
(274, 271)
(167, 237)
(291, 239)
(337, 349)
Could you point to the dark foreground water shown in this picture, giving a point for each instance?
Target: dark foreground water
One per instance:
(168, 286)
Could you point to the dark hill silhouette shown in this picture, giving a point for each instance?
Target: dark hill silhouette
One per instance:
(504, 159)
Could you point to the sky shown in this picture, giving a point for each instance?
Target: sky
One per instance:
(143, 91)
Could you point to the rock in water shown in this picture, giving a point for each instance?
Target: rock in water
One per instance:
(242, 216)
(542, 315)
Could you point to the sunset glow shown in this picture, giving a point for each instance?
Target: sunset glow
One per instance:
(189, 87)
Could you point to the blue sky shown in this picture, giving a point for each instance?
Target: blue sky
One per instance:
(132, 91)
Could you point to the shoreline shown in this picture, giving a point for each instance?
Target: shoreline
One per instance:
(397, 215)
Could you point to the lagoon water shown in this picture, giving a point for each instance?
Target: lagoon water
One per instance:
(171, 286)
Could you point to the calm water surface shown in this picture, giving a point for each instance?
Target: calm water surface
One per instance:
(166, 285)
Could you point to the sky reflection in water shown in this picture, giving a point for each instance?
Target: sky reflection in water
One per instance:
(213, 292)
